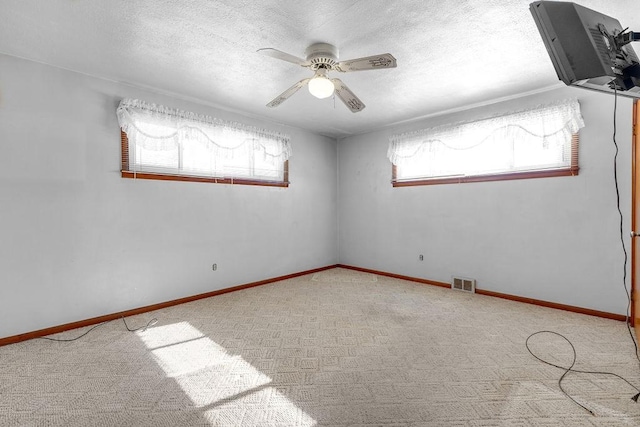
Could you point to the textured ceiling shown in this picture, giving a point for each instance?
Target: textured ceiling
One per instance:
(450, 54)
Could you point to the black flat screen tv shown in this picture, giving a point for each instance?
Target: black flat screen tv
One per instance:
(587, 48)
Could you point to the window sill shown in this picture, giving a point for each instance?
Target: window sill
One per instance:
(235, 181)
(490, 177)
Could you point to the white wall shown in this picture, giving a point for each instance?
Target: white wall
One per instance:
(553, 239)
(78, 241)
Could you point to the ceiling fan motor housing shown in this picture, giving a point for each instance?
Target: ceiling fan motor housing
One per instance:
(322, 55)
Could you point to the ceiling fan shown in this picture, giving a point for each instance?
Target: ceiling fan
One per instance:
(322, 58)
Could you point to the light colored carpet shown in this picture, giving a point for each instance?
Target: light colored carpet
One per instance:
(335, 348)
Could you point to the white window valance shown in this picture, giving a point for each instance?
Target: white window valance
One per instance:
(545, 126)
(159, 128)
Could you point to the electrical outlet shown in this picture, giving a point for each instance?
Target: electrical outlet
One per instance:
(421, 257)
(214, 267)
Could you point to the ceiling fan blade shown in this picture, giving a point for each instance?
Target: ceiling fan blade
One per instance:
(287, 93)
(346, 96)
(385, 60)
(278, 54)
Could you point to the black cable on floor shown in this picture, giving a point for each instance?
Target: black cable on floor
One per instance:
(76, 338)
(142, 329)
(571, 369)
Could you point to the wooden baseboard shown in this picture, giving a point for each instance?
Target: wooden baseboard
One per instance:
(549, 304)
(397, 276)
(108, 317)
(542, 303)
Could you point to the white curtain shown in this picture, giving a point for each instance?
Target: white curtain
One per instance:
(539, 137)
(161, 129)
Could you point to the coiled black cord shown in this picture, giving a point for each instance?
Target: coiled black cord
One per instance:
(571, 369)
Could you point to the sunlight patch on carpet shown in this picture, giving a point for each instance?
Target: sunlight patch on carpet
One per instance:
(253, 410)
(212, 378)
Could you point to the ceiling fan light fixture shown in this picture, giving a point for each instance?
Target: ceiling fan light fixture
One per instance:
(323, 58)
(320, 86)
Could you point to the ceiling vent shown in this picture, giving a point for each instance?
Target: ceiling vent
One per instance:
(463, 284)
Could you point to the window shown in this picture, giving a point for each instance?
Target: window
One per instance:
(541, 142)
(163, 143)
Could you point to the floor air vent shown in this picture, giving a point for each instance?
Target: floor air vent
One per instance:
(463, 284)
